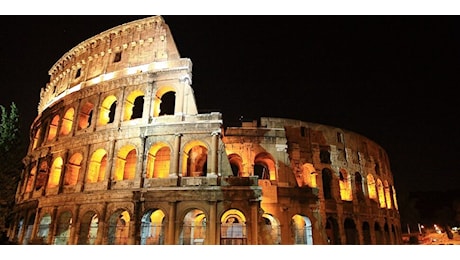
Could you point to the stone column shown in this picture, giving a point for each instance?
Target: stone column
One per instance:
(212, 224)
(175, 157)
(170, 239)
(214, 153)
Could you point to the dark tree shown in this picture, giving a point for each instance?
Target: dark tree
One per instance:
(12, 151)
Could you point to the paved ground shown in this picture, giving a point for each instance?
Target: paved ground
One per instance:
(439, 239)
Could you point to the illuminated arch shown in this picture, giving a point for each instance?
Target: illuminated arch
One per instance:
(67, 122)
(134, 105)
(73, 169)
(271, 231)
(345, 185)
(31, 179)
(152, 228)
(107, 110)
(302, 230)
(233, 228)
(126, 163)
(55, 174)
(264, 166)
(158, 161)
(85, 116)
(157, 103)
(395, 201)
(193, 230)
(236, 163)
(97, 166)
(387, 192)
(194, 162)
(371, 187)
(381, 193)
(52, 131)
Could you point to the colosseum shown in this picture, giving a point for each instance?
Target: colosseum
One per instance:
(120, 155)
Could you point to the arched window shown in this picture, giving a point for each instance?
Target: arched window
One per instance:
(236, 163)
(326, 176)
(158, 161)
(97, 166)
(126, 163)
(152, 228)
(233, 228)
(85, 117)
(67, 122)
(134, 106)
(302, 230)
(193, 230)
(118, 231)
(107, 110)
(55, 174)
(53, 128)
(89, 226)
(195, 159)
(73, 169)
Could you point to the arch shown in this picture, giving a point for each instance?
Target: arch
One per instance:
(193, 230)
(371, 187)
(271, 230)
(233, 228)
(107, 110)
(134, 105)
(351, 233)
(44, 228)
(125, 168)
(55, 174)
(302, 230)
(160, 108)
(85, 116)
(89, 226)
(366, 233)
(31, 179)
(236, 163)
(118, 229)
(386, 231)
(29, 228)
(332, 231)
(345, 185)
(42, 175)
(264, 166)
(326, 176)
(152, 227)
(378, 234)
(73, 169)
(359, 186)
(395, 201)
(158, 161)
(387, 192)
(52, 130)
(67, 122)
(195, 159)
(63, 226)
(168, 101)
(97, 166)
(381, 193)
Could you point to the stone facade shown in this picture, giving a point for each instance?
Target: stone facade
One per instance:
(120, 155)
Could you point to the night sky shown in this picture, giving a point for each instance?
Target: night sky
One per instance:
(390, 78)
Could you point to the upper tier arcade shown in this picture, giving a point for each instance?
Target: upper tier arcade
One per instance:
(144, 45)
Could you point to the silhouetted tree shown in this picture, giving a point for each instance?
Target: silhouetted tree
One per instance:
(12, 151)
